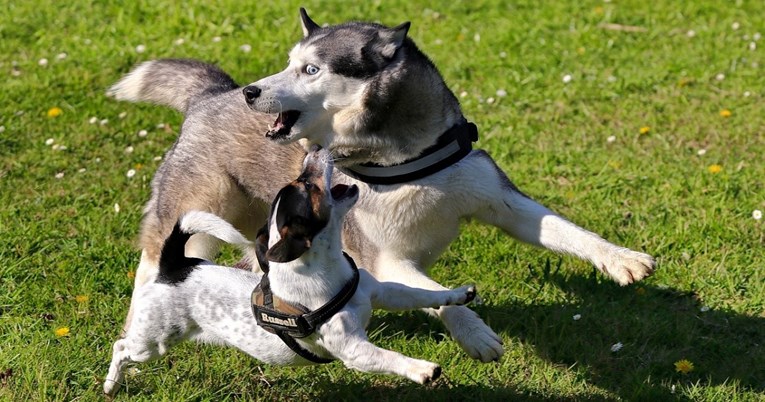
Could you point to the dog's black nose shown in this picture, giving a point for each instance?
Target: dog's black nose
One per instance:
(251, 92)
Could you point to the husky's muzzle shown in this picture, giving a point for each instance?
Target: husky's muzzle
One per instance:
(284, 120)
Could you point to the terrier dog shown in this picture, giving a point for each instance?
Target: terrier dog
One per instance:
(311, 305)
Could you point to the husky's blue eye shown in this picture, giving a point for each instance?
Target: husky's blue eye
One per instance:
(310, 69)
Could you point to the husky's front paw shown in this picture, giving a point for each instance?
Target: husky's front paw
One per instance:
(472, 334)
(626, 266)
(424, 372)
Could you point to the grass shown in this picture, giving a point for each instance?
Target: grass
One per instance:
(64, 238)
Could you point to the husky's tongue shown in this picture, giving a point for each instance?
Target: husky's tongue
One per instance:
(283, 124)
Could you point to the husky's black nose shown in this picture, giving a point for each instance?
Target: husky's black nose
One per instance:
(251, 92)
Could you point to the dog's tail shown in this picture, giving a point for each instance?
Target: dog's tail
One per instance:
(174, 265)
(177, 83)
(213, 225)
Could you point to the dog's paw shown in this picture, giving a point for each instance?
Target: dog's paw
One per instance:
(465, 295)
(111, 386)
(625, 266)
(472, 334)
(423, 372)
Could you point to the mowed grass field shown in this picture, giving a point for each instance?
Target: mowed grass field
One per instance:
(641, 121)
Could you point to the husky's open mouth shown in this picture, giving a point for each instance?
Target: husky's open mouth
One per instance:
(283, 124)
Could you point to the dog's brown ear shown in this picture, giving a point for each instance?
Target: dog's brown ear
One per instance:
(287, 249)
(307, 23)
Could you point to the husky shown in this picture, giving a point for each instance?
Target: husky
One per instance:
(368, 94)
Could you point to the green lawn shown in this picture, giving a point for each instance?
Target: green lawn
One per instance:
(650, 132)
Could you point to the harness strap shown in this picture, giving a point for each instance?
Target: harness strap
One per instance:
(453, 145)
(290, 321)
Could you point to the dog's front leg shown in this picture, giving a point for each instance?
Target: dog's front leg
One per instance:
(393, 296)
(465, 326)
(501, 204)
(345, 338)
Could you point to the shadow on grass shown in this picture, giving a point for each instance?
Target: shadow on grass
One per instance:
(657, 327)
(357, 391)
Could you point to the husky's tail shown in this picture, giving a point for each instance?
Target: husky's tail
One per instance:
(172, 82)
(174, 266)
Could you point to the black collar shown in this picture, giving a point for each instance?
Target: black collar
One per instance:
(451, 147)
(290, 321)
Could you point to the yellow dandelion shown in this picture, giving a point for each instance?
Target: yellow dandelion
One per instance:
(581, 50)
(63, 331)
(81, 298)
(714, 169)
(138, 166)
(131, 275)
(645, 130)
(598, 10)
(55, 112)
(726, 113)
(614, 164)
(683, 366)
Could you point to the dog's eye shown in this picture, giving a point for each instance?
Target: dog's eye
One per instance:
(310, 69)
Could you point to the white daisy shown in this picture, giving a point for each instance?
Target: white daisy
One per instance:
(617, 347)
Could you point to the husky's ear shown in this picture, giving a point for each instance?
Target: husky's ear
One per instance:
(394, 38)
(287, 249)
(307, 23)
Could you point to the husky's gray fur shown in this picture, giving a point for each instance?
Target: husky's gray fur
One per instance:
(368, 94)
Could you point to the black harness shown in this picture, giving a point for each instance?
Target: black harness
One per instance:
(453, 145)
(289, 321)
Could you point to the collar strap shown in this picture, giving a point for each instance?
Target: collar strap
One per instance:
(290, 321)
(450, 148)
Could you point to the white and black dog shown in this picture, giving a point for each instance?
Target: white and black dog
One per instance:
(369, 95)
(312, 291)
